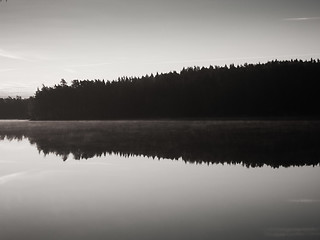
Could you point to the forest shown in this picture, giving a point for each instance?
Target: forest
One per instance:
(273, 89)
(14, 108)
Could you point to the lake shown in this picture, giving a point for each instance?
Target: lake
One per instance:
(159, 180)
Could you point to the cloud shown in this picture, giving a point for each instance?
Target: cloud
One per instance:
(302, 19)
(6, 54)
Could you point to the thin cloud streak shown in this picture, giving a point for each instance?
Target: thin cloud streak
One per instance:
(22, 57)
(6, 54)
(302, 19)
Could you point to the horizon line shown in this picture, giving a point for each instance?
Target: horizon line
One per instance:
(6, 94)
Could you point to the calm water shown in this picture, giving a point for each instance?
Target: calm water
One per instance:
(114, 192)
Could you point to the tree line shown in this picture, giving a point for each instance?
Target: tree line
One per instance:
(14, 108)
(274, 89)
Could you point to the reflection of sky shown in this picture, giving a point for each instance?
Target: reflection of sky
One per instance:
(140, 198)
(43, 41)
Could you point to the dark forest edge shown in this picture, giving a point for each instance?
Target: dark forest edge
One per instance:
(277, 89)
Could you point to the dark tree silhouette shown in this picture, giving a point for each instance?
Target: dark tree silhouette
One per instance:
(274, 89)
(14, 108)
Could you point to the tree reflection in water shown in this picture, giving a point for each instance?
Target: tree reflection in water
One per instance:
(250, 143)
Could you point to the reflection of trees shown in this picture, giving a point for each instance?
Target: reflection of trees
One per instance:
(253, 144)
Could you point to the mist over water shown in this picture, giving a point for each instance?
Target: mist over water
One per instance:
(130, 190)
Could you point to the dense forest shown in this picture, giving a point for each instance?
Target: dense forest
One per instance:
(274, 89)
(14, 108)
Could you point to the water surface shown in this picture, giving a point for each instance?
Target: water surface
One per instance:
(65, 184)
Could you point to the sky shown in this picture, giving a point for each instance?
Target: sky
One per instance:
(43, 41)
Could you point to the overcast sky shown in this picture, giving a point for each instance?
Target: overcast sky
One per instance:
(42, 41)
